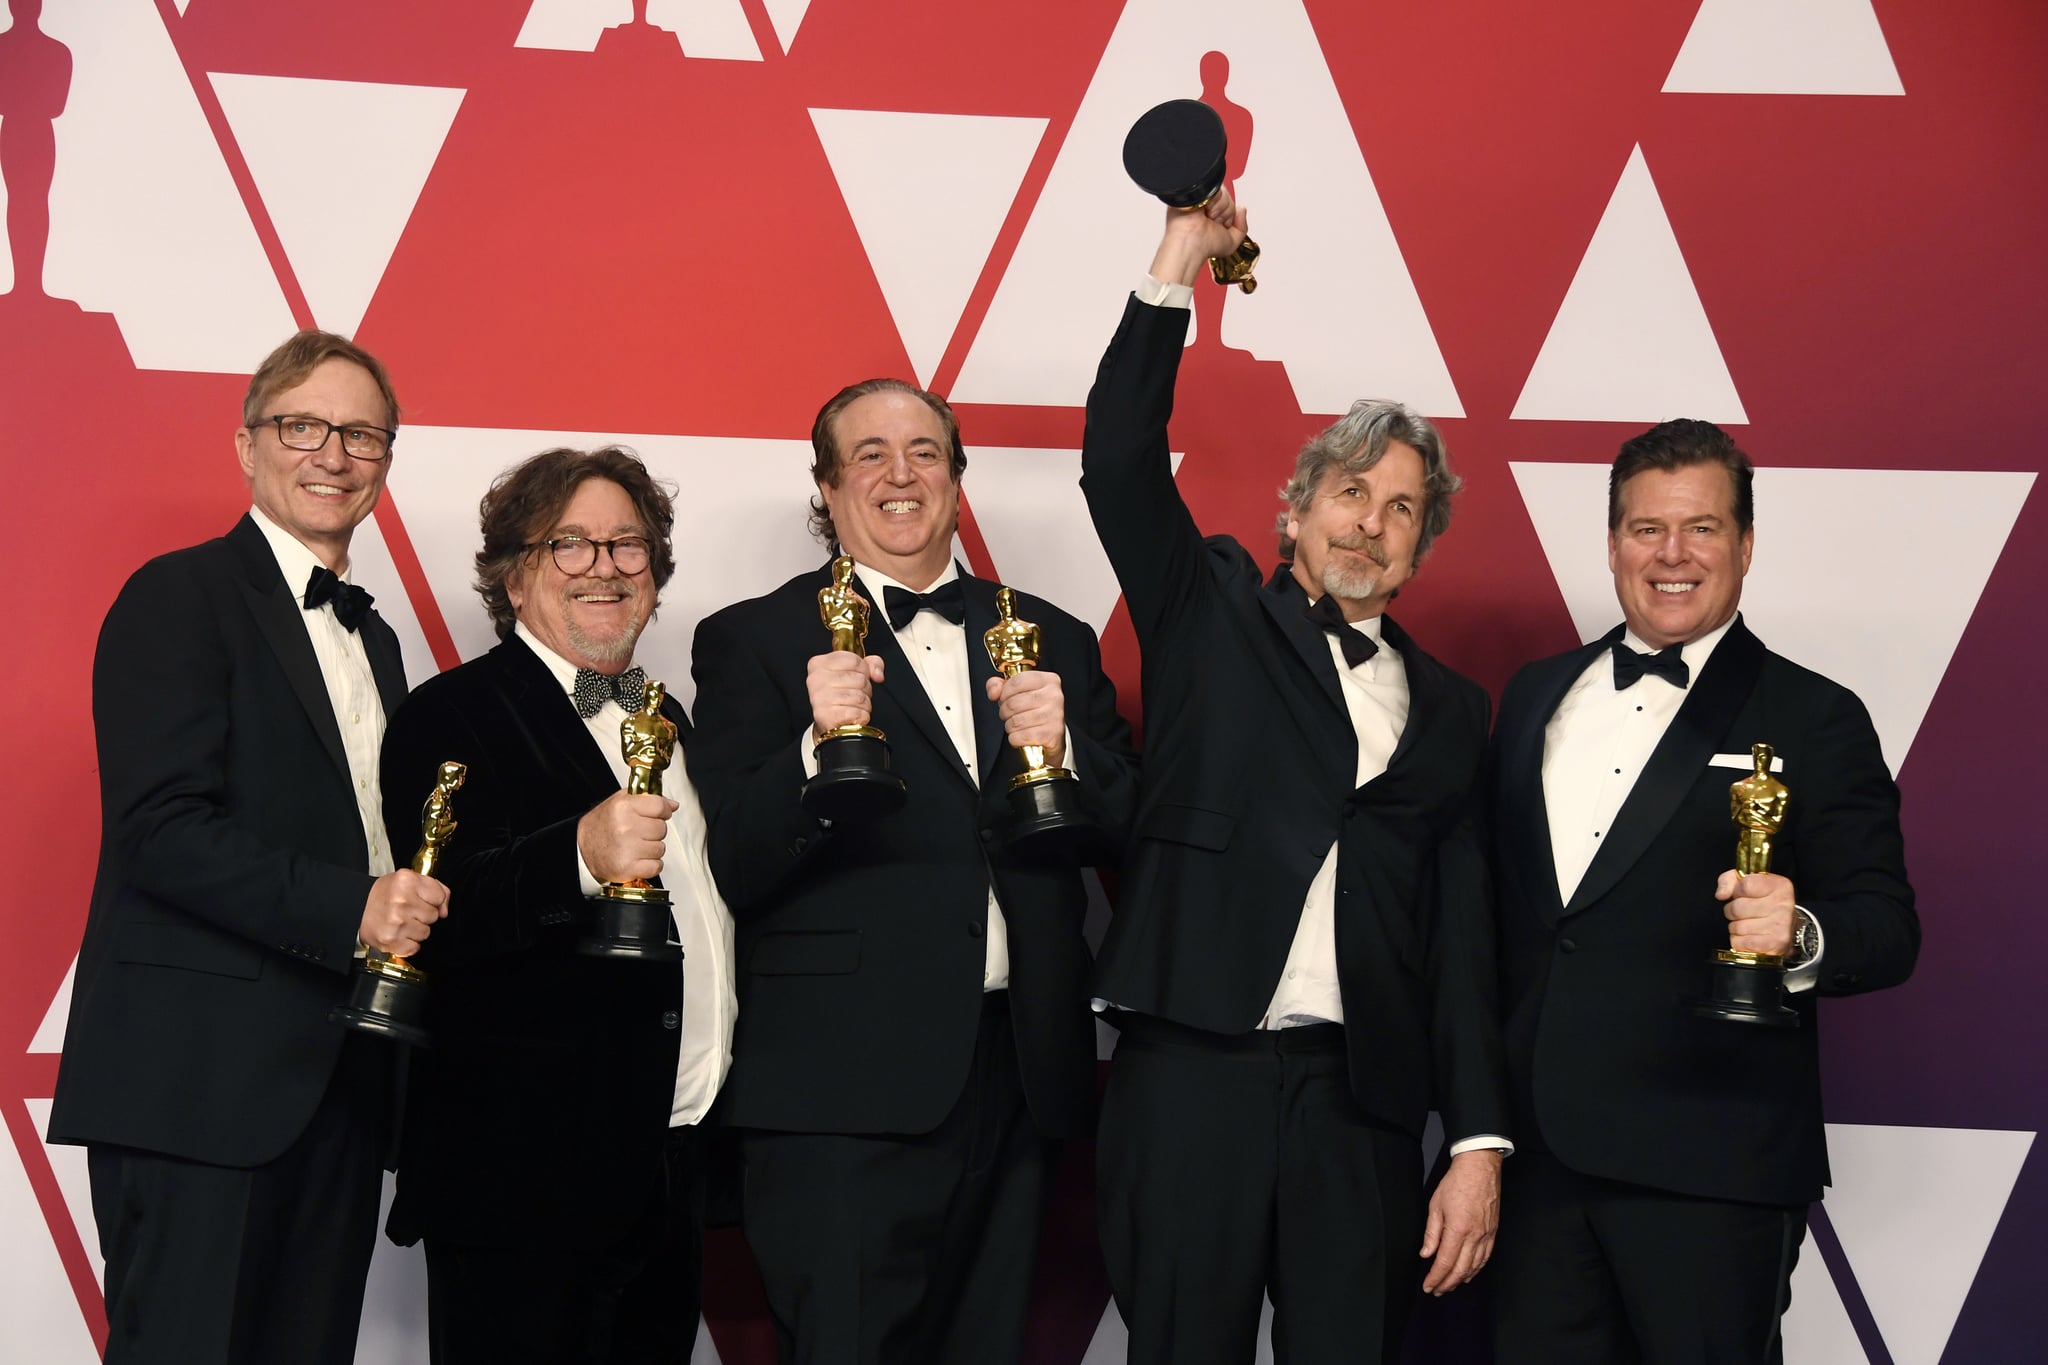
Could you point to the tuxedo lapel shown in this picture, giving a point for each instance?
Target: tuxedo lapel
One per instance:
(1307, 673)
(1521, 776)
(1676, 763)
(982, 615)
(900, 701)
(381, 645)
(557, 736)
(280, 619)
(1425, 692)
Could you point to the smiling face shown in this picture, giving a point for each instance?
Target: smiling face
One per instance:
(318, 496)
(895, 501)
(1677, 555)
(592, 619)
(1356, 538)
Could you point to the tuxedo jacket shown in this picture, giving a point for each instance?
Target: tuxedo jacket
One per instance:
(538, 1115)
(1609, 1068)
(860, 950)
(1250, 777)
(233, 870)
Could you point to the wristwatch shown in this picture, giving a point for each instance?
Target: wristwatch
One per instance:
(1805, 939)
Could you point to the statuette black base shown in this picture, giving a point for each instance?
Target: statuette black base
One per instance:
(1746, 992)
(854, 784)
(1046, 818)
(389, 1003)
(634, 927)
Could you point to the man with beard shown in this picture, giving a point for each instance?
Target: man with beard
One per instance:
(915, 1034)
(551, 1158)
(238, 694)
(1301, 959)
(1669, 1158)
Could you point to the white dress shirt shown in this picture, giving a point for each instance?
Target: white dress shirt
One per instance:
(1595, 748)
(710, 1002)
(937, 650)
(351, 686)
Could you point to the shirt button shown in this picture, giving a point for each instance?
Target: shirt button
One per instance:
(670, 1019)
(1292, 973)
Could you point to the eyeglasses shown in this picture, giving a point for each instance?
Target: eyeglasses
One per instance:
(310, 433)
(578, 555)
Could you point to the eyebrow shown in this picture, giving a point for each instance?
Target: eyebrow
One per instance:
(866, 441)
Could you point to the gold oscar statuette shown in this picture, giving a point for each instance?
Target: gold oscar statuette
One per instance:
(1044, 807)
(1749, 987)
(388, 994)
(854, 783)
(1177, 151)
(630, 919)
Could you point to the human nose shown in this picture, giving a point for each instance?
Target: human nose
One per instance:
(329, 453)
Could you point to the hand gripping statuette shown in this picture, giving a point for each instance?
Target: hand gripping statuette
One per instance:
(854, 783)
(1044, 806)
(1749, 988)
(630, 919)
(388, 995)
(1176, 151)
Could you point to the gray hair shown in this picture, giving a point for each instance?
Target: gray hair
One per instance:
(1355, 443)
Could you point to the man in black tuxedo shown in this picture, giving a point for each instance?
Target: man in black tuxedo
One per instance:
(239, 694)
(551, 1157)
(1301, 960)
(914, 1028)
(1659, 1200)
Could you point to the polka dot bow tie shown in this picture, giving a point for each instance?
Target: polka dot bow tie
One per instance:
(593, 689)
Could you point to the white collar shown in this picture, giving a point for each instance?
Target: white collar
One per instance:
(294, 560)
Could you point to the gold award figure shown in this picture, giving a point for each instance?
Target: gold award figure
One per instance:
(1750, 987)
(1042, 800)
(854, 782)
(1013, 648)
(389, 994)
(632, 917)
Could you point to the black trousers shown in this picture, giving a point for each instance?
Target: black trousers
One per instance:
(1234, 1168)
(217, 1265)
(903, 1250)
(634, 1302)
(1600, 1273)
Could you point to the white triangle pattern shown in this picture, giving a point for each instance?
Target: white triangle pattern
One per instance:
(74, 1182)
(1816, 1327)
(309, 143)
(1034, 520)
(714, 29)
(1809, 523)
(50, 1033)
(36, 1301)
(370, 567)
(188, 281)
(786, 16)
(1915, 1209)
(926, 250)
(1331, 257)
(1785, 47)
(1631, 342)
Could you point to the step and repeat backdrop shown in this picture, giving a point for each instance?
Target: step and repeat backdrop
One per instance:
(684, 223)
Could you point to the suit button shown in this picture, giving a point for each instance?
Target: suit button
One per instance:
(798, 845)
(988, 836)
(975, 930)
(670, 1019)
(1565, 945)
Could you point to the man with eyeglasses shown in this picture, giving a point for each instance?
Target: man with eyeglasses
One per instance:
(551, 1158)
(239, 695)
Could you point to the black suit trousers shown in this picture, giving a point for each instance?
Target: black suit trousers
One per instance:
(634, 1302)
(220, 1265)
(1231, 1168)
(878, 1249)
(1599, 1272)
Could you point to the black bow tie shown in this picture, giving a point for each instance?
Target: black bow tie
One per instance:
(1356, 644)
(351, 603)
(1665, 663)
(594, 689)
(903, 604)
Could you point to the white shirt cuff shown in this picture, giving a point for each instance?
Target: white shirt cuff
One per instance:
(1162, 295)
(1484, 1142)
(583, 876)
(807, 750)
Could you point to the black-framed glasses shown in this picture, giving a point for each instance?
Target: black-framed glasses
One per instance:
(358, 442)
(578, 554)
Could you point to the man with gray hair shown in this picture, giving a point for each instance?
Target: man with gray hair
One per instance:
(1301, 961)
